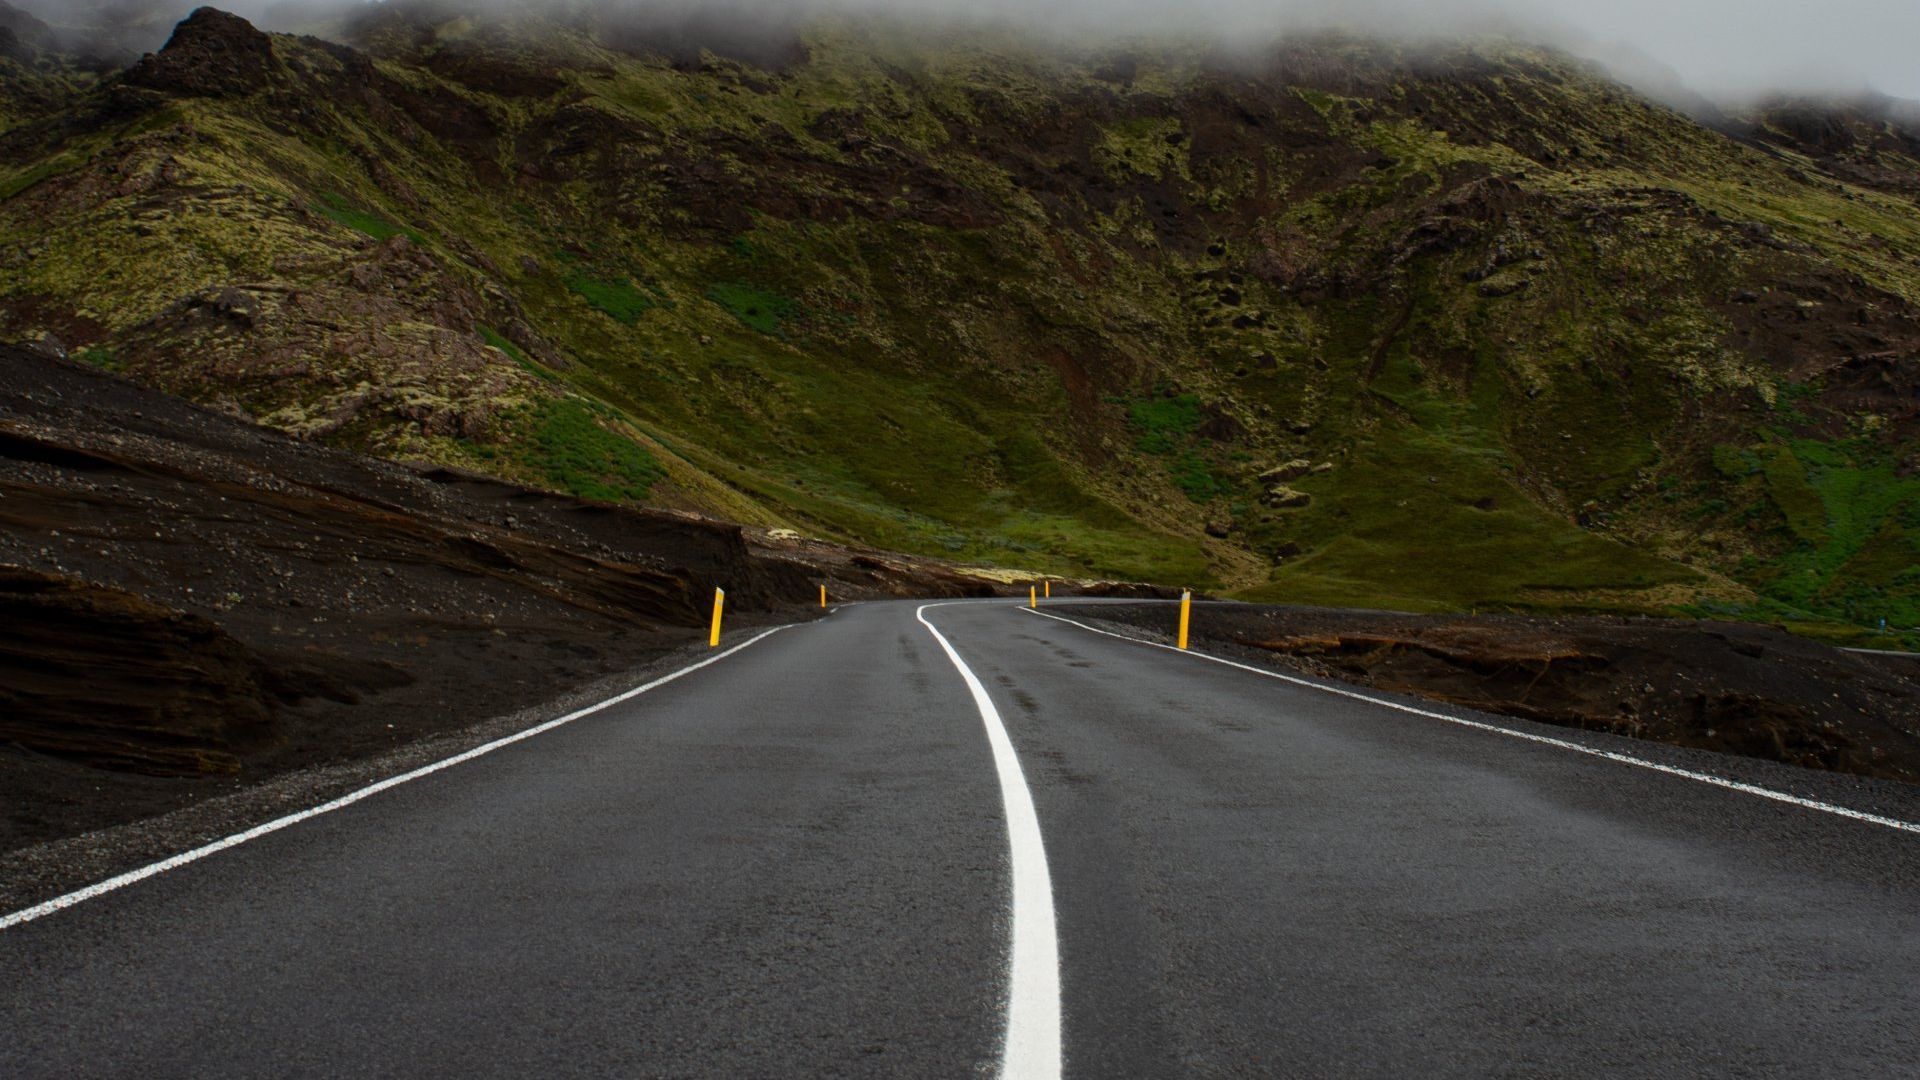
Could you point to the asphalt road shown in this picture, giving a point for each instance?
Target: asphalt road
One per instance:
(796, 861)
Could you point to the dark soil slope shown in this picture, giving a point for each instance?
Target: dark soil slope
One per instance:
(204, 602)
(1729, 687)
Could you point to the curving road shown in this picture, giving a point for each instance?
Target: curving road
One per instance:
(811, 858)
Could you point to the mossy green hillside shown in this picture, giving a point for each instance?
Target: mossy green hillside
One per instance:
(1542, 343)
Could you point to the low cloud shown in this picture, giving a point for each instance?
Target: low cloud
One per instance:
(1726, 49)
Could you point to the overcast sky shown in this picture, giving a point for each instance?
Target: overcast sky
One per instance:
(1745, 45)
(1721, 48)
(1718, 47)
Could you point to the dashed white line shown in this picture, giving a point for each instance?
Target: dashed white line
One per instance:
(1545, 740)
(1033, 999)
(174, 862)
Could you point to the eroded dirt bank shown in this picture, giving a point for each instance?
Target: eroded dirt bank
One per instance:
(1729, 687)
(190, 604)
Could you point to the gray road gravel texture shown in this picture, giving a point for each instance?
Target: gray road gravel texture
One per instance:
(793, 863)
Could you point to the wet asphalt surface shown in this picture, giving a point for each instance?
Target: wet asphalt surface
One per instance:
(793, 862)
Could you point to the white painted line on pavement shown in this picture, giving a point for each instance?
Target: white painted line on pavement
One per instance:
(121, 881)
(1564, 744)
(1033, 997)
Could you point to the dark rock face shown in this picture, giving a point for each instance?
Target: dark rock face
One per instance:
(211, 54)
(1732, 688)
(99, 675)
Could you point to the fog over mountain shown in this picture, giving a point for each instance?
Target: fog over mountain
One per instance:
(1725, 49)
(1722, 47)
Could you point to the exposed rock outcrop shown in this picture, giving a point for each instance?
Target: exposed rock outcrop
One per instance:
(211, 54)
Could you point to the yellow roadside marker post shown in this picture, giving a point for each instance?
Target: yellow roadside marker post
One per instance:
(1033, 597)
(1186, 607)
(719, 601)
(1047, 585)
(823, 596)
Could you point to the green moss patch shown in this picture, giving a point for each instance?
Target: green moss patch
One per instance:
(1857, 523)
(335, 206)
(619, 299)
(573, 449)
(1161, 424)
(1424, 520)
(1167, 426)
(1787, 484)
(100, 356)
(756, 309)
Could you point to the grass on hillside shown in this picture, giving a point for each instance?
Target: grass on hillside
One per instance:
(335, 206)
(571, 447)
(100, 356)
(1857, 521)
(1383, 535)
(1167, 426)
(1425, 514)
(1805, 512)
(757, 309)
(618, 299)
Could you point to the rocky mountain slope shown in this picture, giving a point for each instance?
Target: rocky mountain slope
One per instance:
(1327, 320)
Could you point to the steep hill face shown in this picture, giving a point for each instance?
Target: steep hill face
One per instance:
(1870, 140)
(1332, 320)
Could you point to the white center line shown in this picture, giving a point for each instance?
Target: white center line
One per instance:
(185, 857)
(1564, 744)
(1033, 996)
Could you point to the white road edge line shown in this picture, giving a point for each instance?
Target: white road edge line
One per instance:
(1564, 744)
(174, 862)
(1033, 997)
